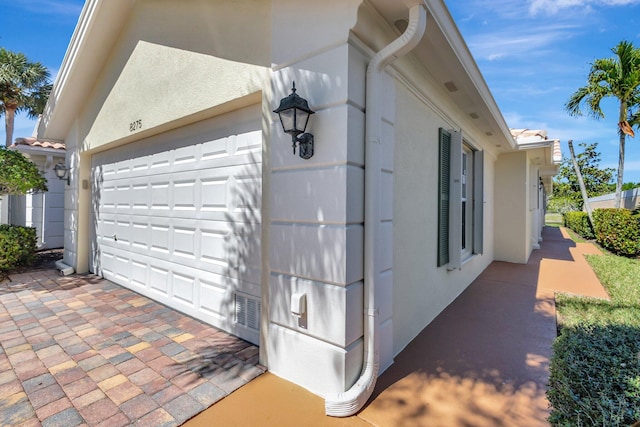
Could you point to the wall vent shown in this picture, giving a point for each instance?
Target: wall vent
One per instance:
(247, 310)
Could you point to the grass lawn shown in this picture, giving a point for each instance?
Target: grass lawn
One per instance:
(553, 219)
(595, 369)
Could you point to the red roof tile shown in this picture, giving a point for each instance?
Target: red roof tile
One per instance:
(33, 142)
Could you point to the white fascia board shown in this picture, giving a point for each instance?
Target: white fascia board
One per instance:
(450, 31)
(98, 27)
(552, 145)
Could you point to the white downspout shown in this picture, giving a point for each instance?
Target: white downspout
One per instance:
(351, 401)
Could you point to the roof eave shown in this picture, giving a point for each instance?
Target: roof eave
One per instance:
(451, 32)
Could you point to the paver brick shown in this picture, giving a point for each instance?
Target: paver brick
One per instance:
(144, 376)
(149, 354)
(53, 408)
(103, 372)
(10, 388)
(138, 406)
(46, 395)
(130, 366)
(67, 418)
(207, 394)
(80, 387)
(111, 382)
(157, 418)
(183, 407)
(13, 399)
(123, 357)
(17, 414)
(123, 392)
(15, 346)
(167, 394)
(7, 376)
(99, 411)
(92, 362)
(88, 398)
(67, 364)
(117, 420)
(70, 375)
(188, 380)
(38, 382)
(30, 369)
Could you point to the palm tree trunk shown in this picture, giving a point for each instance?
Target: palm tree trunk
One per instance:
(9, 114)
(583, 189)
(620, 171)
(623, 136)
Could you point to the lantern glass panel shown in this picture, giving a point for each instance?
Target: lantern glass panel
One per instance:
(287, 118)
(60, 171)
(303, 118)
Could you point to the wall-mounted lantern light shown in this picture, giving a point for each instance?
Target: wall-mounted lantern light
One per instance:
(294, 113)
(62, 172)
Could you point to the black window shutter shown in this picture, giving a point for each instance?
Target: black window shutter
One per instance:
(443, 199)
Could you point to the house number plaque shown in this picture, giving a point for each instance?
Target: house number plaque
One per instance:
(134, 126)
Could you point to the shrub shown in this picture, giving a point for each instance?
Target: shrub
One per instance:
(579, 222)
(17, 246)
(617, 230)
(595, 376)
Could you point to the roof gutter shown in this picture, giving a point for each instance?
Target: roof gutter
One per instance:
(351, 401)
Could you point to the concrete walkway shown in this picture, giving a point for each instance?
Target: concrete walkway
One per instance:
(80, 350)
(484, 361)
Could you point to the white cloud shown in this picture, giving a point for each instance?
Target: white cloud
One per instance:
(509, 42)
(554, 6)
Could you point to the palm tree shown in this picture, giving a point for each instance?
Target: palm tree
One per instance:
(617, 77)
(24, 86)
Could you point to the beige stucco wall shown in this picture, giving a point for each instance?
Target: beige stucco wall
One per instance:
(512, 238)
(175, 63)
(421, 290)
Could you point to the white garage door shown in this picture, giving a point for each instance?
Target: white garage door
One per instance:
(177, 218)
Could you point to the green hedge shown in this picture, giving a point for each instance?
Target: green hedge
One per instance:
(17, 246)
(618, 230)
(579, 222)
(595, 376)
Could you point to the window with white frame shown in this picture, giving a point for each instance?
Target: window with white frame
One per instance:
(460, 205)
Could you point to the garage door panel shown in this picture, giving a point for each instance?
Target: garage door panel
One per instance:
(175, 163)
(236, 198)
(159, 279)
(178, 218)
(184, 288)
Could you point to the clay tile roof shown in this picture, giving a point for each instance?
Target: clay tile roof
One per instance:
(33, 142)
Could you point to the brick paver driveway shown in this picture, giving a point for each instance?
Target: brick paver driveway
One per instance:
(80, 350)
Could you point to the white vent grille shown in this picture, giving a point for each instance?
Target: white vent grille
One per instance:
(247, 311)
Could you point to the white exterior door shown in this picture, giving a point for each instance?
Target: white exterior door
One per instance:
(177, 217)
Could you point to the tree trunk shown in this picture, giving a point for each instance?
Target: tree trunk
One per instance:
(620, 171)
(9, 114)
(583, 189)
(623, 136)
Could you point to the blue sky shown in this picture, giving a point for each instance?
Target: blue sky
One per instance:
(532, 53)
(535, 53)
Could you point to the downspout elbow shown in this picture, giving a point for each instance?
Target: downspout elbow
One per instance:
(351, 401)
